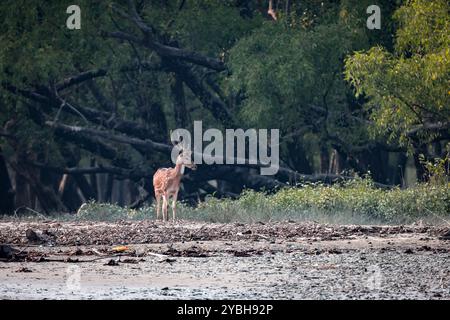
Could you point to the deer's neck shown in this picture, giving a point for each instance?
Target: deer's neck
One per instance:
(179, 170)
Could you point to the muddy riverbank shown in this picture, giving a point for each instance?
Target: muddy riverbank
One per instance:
(194, 260)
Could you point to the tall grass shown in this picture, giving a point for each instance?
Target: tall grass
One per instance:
(357, 201)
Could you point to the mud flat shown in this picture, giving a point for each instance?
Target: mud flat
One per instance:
(194, 260)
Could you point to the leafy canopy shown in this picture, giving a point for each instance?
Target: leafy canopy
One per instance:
(408, 89)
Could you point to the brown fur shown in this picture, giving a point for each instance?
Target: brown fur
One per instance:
(166, 183)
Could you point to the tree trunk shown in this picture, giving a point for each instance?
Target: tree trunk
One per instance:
(109, 188)
(335, 163)
(6, 190)
(324, 160)
(93, 180)
(397, 172)
(179, 103)
(420, 169)
(69, 194)
(297, 158)
(376, 161)
(48, 199)
(85, 187)
(22, 191)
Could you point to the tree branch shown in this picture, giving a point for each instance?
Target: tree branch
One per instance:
(95, 116)
(217, 107)
(438, 126)
(123, 173)
(170, 52)
(146, 144)
(98, 95)
(25, 93)
(87, 75)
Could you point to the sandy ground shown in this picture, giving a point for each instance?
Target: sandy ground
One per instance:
(193, 260)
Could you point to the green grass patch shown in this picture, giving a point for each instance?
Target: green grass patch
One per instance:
(358, 201)
(355, 202)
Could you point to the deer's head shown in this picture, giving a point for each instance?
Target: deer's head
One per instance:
(184, 154)
(185, 159)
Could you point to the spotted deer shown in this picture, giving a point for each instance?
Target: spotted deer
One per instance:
(166, 182)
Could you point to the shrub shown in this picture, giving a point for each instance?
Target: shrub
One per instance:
(357, 201)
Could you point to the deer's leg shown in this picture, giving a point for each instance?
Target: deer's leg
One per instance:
(174, 205)
(158, 203)
(164, 204)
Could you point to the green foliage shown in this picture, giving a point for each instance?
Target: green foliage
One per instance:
(36, 45)
(355, 201)
(290, 76)
(408, 87)
(438, 169)
(360, 197)
(290, 70)
(211, 27)
(38, 50)
(285, 74)
(424, 27)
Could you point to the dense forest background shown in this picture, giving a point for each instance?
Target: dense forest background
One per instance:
(86, 114)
